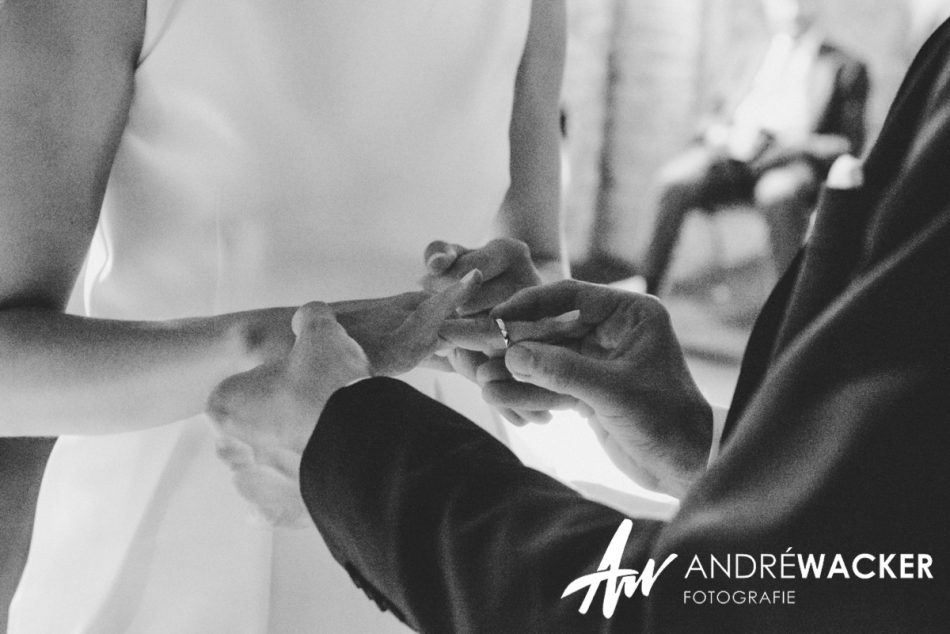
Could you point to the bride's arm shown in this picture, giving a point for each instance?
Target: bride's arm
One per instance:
(66, 71)
(64, 374)
(531, 209)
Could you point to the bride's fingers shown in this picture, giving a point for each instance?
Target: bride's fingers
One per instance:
(428, 317)
(448, 262)
(418, 336)
(484, 334)
(440, 256)
(472, 333)
(495, 258)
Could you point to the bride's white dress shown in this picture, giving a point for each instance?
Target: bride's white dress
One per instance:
(277, 151)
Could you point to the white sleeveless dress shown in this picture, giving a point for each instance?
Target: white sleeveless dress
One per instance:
(277, 151)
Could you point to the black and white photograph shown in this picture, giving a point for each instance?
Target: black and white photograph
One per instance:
(451, 316)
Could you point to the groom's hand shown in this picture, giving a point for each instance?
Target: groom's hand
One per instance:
(621, 365)
(265, 417)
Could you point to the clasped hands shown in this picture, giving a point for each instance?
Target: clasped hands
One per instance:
(610, 354)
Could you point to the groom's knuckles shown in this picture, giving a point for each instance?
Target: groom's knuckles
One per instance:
(310, 317)
(537, 302)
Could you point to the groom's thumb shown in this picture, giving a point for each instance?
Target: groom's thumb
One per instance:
(310, 318)
(557, 369)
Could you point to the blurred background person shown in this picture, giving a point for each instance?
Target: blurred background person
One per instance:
(772, 142)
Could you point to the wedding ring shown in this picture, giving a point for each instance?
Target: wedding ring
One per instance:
(504, 331)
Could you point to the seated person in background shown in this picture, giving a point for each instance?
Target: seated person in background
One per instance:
(803, 107)
(831, 479)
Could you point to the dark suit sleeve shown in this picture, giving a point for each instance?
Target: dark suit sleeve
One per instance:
(441, 524)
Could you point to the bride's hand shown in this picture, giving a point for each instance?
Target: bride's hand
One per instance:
(400, 332)
(505, 264)
(265, 417)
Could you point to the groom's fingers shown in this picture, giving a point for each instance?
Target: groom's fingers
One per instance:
(541, 301)
(483, 334)
(310, 318)
(318, 331)
(525, 397)
(324, 356)
(593, 303)
(466, 362)
(233, 395)
(235, 453)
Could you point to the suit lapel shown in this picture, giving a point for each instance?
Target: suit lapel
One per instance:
(820, 272)
(833, 251)
(755, 360)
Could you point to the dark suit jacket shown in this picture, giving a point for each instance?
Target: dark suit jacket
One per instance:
(838, 442)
